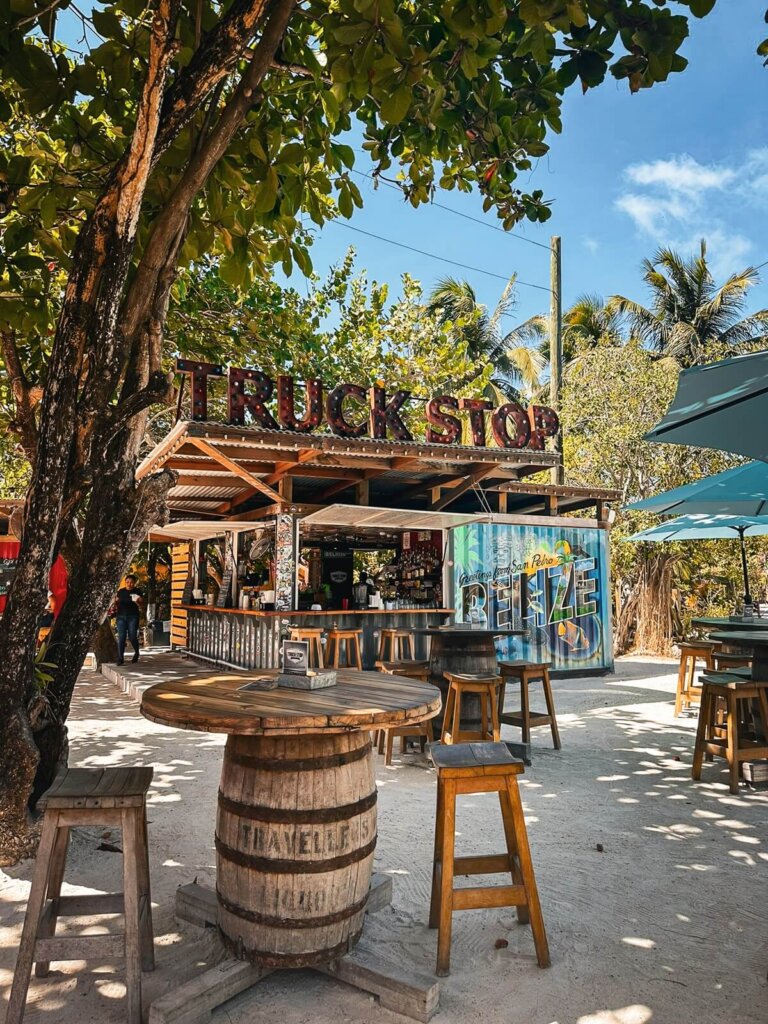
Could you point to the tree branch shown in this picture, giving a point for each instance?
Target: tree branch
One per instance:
(25, 397)
(170, 222)
(211, 63)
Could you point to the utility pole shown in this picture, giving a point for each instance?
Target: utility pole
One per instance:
(556, 347)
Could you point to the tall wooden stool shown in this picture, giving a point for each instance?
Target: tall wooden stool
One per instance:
(723, 687)
(723, 661)
(487, 689)
(392, 644)
(351, 640)
(481, 768)
(384, 738)
(314, 639)
(526, 672)
(691, 652)
(89, 796)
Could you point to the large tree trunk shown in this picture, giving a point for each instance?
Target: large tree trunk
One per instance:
(103, 373)
(118, 518)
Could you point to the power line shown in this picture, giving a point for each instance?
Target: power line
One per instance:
(433, 256)
(458, 213)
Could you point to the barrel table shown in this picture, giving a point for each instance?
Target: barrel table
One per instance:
(296, 820)
(464, 650)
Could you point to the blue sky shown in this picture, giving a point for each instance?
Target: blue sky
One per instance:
(686, 159)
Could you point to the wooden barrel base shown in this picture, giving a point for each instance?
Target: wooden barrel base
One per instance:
(295, 838)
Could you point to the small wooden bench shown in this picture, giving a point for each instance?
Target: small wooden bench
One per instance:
(87, 797)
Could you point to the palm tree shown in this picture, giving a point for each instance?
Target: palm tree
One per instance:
(690, 318)
(587, 324)
(517, 364)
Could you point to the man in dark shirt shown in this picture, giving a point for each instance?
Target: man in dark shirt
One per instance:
(127, 611)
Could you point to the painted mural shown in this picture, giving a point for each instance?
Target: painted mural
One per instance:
(550, 580)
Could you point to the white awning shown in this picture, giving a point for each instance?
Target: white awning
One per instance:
(358, 516)
(195, 529)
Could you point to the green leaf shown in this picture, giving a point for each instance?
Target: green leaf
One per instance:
(346, 206)
(49, 209)
(395, 106)
(107, 24)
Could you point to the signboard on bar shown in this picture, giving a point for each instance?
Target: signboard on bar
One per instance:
(351, 410)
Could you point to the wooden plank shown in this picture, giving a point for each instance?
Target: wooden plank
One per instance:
(414, 995)
(193, 1002)
(81, 947)
(488, 896)
(233, 467)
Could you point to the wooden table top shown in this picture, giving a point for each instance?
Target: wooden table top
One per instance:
(359, 700)
(731, 624)
(741, 636)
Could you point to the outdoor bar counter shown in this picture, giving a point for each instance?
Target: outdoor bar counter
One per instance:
(251, 639)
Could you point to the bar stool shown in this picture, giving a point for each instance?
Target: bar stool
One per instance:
(89, 796)
(481, 768)
(384, 738)
(392, 643)
(691, 651)
(723, 661)
(314, 639)
(487, 688)
(351, 640)
(723, 687)
(526, 672)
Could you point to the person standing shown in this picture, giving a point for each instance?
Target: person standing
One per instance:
(128, 606)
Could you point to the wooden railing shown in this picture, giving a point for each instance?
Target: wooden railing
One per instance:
(237, 639)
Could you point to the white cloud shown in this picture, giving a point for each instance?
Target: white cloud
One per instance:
(677, 201)
(590, 244)
(680, 174)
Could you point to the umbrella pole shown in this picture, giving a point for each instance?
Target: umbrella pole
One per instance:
(744, 569)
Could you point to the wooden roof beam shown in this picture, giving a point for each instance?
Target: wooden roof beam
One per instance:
(233, 467)
(467, 484)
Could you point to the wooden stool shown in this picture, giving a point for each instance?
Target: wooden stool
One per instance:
(529, 672)
(690, 652)
(392, 643)
(313, 637)
(722, 661)
(487, 688)
(89, 796)
(351, 640)
(481, 768)
(384, 738)
(723, 687)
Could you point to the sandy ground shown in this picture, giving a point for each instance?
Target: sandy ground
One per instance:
(669, 924)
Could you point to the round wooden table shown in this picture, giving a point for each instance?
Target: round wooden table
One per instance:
(466, 651)
(730, 624)
(296, 820)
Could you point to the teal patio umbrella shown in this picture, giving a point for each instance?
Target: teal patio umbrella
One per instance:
(708, 527)
(720, 405)
(742, 491)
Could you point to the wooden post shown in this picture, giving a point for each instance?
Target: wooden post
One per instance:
(556, 348)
